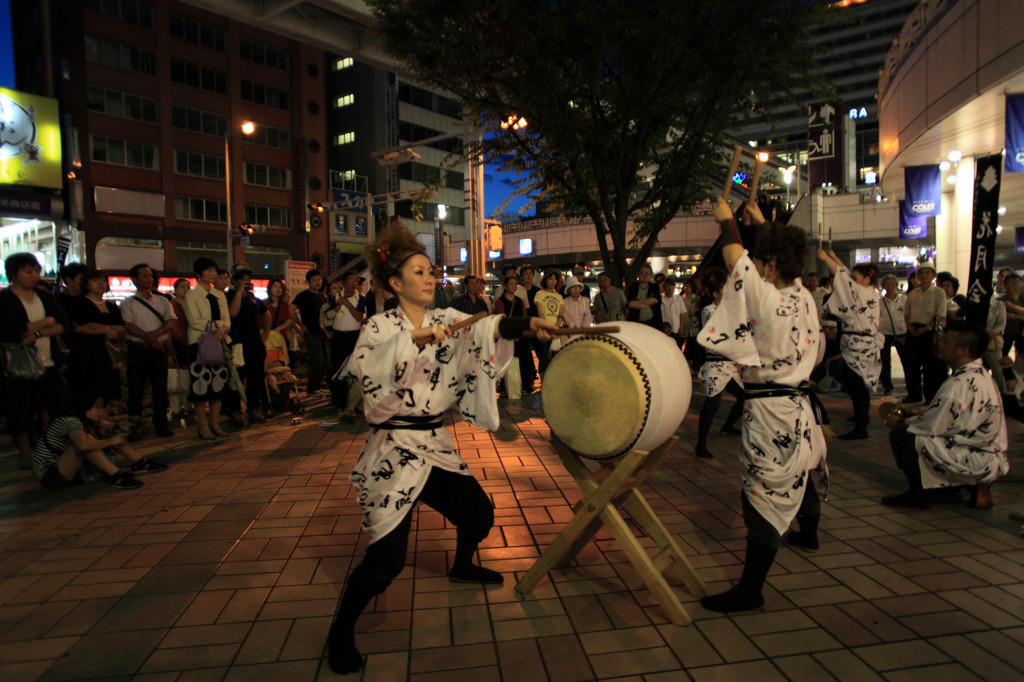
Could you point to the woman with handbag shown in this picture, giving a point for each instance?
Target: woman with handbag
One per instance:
(98, 351)
(206, 309)
(177, 375)
(893, 326)
(31, 373)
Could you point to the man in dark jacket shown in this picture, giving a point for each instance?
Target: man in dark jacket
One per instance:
(643, 301)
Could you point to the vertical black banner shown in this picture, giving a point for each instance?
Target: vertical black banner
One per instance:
(987, 179)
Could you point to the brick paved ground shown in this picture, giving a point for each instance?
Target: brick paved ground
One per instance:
(228, 567)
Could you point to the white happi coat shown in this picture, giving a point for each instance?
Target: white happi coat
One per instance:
(775, 337)
(715, 372)
(861, 343)
(401, 379)
(961, 438)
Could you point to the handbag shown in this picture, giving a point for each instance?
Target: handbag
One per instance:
(21, 362)
(117, 353)
(210, 351)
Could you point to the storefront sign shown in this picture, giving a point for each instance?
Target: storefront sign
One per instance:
(923, 189)
(25, 205)
(30, 149)
(987, 180)
(1018, 247)
(295, 274)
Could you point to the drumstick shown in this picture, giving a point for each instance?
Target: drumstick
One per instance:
(830, 238)
(821, 235)
(755, 182)
(468, 321)
(736, 152)
(569, 331)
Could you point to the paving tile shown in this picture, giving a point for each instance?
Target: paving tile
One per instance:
(143, 611)
(729, 642)
(912, 654)
(754, 670)
(103, 655)
(520, 659)
(802, 669)
(565, 659)
(976, 659)
(950, 672)
(452, 658)
(846, 667)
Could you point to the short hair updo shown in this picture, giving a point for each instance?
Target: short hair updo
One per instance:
(786, 245)
(394, 247)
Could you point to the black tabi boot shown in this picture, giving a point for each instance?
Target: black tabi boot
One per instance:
(342, 654)
(746, 594)
(463, 569)
(707, 415)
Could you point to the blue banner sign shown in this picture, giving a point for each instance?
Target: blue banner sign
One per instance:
(923, 189)
(1014, 133)
(911, 226)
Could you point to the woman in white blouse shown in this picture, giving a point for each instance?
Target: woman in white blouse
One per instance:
(206, 307)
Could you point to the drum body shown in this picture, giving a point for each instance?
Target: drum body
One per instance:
(605, 395)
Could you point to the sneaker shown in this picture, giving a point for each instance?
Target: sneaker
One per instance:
(257, 418)
(147, 466)
(235, 419)
(124, 481)
(345, 418)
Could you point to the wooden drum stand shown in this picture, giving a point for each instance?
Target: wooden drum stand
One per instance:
(612, 486)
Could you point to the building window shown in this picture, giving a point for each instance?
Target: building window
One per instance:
(121, 104)
(198, 164)
(341, 179)
(125, 152)
(267, 176)
(340, 223)
(204, 210)
(267, 95)
(196, 76)
(344, 138)
(342, 63)
(269, 136)
(198, 121)
(268, 216)
(428, 175)
(119, 56)
(410, 132)
(136, 12)
(344, 101)
(199, 32)
(261, 53)
(428, 100)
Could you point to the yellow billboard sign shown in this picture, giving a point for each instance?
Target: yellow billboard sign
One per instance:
(30, 149)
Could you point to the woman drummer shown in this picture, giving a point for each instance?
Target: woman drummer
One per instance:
(412, 368)
(767, 322)
(857, 304)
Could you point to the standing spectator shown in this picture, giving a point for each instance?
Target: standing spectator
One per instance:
(913, 280)
(380, 300)
(223, 281)
(280, 310)
(528, 292)
(307, 305)
(578, 272)
(472, 301)
(148, 318)
(33, 317)
(644, 300)
(817, 292)
(97, 323)
(995, 327)
(177, 377)
(956, 304)
(349, 313)
(893, 326)
(575, 310)
(506, 270)
(70, 277)
(1013, 337)
(610, 302)
(250, 323)
(673, 312)
(659, 281)
(327, 312)
(512, 305)
(444, 292)
(206, 306)
(926, 308)
(548, 303)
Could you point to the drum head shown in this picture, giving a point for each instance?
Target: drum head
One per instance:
(594, 398)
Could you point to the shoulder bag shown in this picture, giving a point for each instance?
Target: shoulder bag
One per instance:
(21, 362)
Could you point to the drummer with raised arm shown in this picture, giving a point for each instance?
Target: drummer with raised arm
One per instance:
(768, 324)
(413, 367)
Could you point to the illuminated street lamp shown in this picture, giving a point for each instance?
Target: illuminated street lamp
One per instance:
(247, 128)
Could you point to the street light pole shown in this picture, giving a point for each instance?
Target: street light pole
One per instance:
(247, 128)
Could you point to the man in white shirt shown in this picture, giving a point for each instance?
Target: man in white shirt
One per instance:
(673, 312)
(817, 293)
(148, 318)
(893, 326)
(925, 309)
(349, 312)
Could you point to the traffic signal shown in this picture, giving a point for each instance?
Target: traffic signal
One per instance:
(245, 229)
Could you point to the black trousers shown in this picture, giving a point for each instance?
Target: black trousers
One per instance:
(342, 345)
(904, 449)
(252, 374)
(921, 367)
(457, 497)
(759, 530)
(886, 376)
(855, 387)
(147, 364)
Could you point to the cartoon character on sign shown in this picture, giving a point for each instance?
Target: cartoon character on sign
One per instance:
(18, 131)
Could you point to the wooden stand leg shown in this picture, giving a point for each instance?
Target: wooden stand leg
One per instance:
(600, 506)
